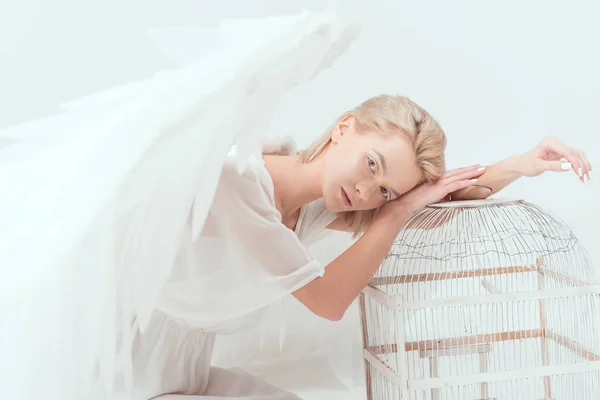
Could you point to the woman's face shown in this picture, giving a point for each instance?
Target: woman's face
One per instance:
(363, 171)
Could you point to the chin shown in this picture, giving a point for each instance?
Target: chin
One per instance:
(333, 204)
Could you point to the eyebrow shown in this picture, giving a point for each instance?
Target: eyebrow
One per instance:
(382, 159)
(384, 167)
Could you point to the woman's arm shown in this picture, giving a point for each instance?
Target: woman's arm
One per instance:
(551, 154)
(496, 177)
(346, 276)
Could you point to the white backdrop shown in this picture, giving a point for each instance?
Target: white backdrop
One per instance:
(498, 77)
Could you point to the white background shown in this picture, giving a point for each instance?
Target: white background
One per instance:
(498, 76)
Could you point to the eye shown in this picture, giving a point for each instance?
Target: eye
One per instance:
(385, 192)
(372, 163)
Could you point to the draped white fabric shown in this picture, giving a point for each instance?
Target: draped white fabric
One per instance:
(101, 205)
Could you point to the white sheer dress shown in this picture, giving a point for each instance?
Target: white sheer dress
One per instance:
(173, 354)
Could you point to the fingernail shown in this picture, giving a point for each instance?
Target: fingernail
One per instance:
(580, 171)
(481, 169)
(474, 180)
(590, 174)
(585, 179)
(566, 166)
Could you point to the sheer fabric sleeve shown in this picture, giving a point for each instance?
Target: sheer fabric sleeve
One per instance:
(244, 259)
(245, 205)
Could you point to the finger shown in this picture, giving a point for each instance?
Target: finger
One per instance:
(467, 174)
(578, 164)
(567, 152)
(572, 158)
(457, 185)
(580, 167)
(457, 171)
(587, 167)
(558, 166)
(463, 173)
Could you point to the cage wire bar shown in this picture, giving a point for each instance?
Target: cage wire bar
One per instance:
(483, 300)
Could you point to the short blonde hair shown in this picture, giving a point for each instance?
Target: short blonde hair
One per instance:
(390, 115)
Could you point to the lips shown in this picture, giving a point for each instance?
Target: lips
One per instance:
(346, 199)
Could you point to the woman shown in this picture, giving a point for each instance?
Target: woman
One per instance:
(379, 164)
(133, 245)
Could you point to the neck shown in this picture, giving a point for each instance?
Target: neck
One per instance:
(296, 183)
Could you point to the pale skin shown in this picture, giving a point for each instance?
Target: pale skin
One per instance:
(361, 171)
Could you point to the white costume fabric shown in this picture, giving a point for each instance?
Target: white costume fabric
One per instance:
(132, 234)
(173, 354)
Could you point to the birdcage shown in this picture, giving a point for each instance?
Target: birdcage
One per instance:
(493, 299)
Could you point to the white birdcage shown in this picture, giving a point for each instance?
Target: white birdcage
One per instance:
(491, 299)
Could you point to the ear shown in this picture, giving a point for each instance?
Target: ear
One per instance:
(342, 128)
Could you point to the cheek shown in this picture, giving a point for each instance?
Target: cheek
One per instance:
(341, 169)
(375, 201)
(355, 169)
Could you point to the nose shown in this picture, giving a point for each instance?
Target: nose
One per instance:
(365, 189)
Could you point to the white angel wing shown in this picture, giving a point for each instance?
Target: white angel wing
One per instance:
(94, 199)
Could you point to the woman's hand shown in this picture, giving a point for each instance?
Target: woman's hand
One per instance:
(429, 193)
(551, 154)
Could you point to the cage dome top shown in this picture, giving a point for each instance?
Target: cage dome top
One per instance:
(502, 242)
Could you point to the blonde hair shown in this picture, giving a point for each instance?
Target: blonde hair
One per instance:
(390, 115)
